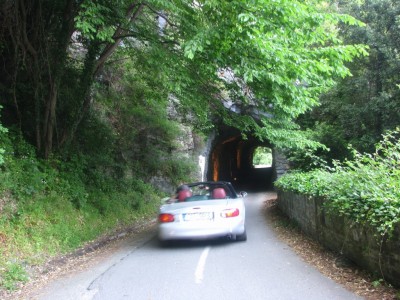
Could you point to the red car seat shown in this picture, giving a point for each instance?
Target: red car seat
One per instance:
(182, 195)
(219, 193)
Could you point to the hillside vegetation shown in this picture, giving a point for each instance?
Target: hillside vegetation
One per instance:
(358, 171)
(51, 207)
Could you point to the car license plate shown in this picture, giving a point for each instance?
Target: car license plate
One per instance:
(204, 216)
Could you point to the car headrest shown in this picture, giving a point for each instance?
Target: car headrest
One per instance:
(219, 193)
(182, 195)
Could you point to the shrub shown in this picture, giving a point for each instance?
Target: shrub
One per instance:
(14, 273)
(366, 189)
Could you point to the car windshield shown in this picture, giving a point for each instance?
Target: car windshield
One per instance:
(208, 191)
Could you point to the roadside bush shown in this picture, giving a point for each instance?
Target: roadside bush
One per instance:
(21, 172)
(366, 189)
(52, 207)
(332, 146)
(180, 169)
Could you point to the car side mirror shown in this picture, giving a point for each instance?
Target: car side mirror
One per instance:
(243, 194)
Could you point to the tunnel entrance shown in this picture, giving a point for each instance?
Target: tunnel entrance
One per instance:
(236, 159)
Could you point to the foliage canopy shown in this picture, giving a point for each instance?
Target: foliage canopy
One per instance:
(360, 108)
(273, 57)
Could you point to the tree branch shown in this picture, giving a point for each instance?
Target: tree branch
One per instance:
(110, 48)
(160, 15)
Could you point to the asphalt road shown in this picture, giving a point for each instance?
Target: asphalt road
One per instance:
(261, 268)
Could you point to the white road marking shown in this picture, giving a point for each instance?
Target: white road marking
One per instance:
(199, 274)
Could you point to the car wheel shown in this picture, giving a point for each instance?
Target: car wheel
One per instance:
(242, 237)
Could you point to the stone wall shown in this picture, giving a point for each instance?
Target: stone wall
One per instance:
(280, 163)
(378, 255)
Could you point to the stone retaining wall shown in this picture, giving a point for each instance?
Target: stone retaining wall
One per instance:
(378, 255)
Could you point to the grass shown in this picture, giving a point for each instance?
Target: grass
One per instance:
(14, 273)
(49, 225)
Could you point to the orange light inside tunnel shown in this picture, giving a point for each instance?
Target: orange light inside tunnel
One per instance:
(216, 157)
(230, 140)
(215, 165)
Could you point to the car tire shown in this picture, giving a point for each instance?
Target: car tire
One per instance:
(242, 237)
(164, 243)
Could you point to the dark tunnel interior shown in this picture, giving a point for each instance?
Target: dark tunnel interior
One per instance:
(231, 159)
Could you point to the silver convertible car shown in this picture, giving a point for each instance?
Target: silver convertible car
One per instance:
(203, 210)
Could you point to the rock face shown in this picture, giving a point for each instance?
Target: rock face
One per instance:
(359, 243)
(189, 145)
(205, 155)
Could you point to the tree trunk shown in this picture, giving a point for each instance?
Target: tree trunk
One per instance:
(50, 116)
(93, 67)
(56, 67)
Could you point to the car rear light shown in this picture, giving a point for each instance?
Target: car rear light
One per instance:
(229, 213)
(166, 218)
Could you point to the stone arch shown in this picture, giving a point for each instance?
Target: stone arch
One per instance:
(230, 158)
